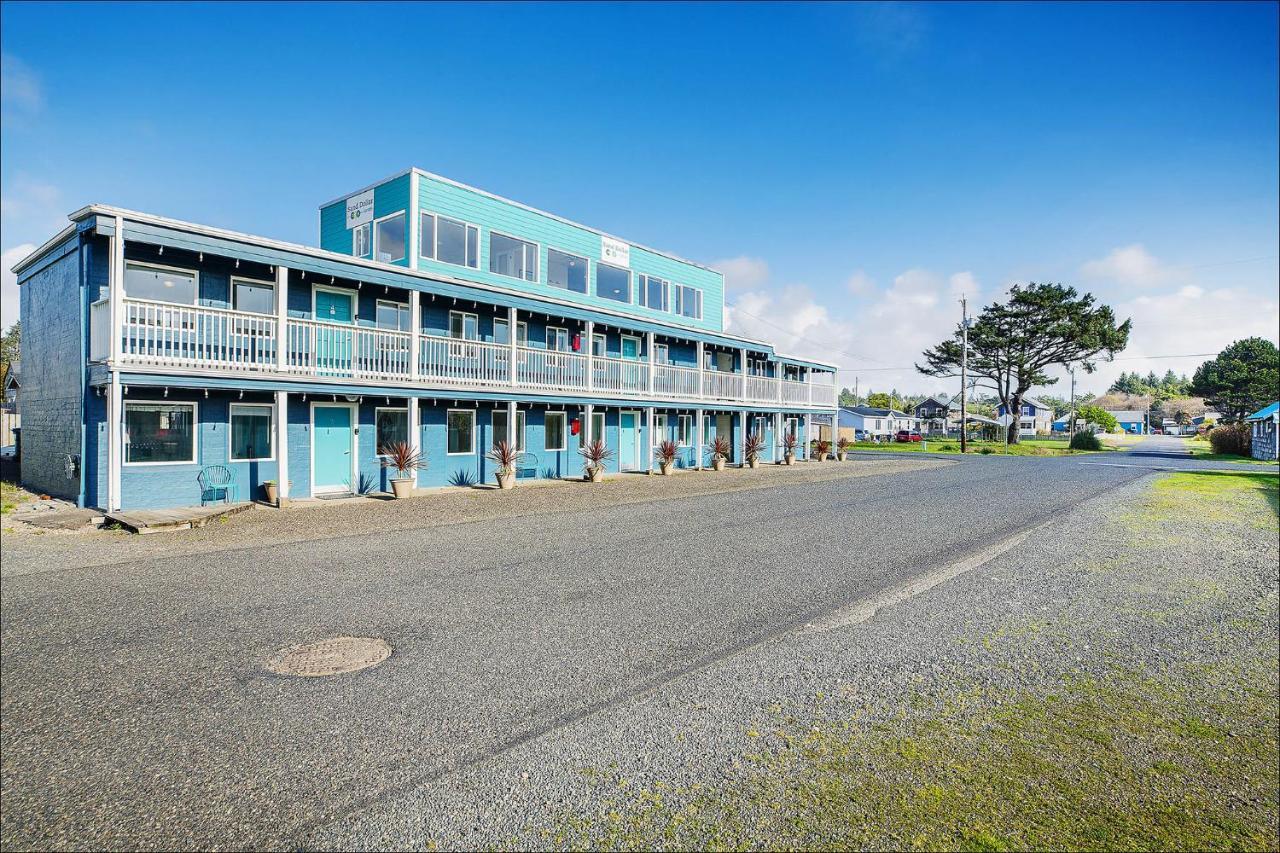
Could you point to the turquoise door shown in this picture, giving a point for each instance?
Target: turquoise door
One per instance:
(331, 449)
(630, 348)
(629, 441)
(334, 345)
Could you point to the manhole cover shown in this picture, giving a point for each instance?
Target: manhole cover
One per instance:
(333, 656)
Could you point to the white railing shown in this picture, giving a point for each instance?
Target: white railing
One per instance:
(100, 330)
(621, 376)
(464, 362)
(164, 333)
(160, 333)
(672, 381)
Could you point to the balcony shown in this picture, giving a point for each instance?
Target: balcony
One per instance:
(217, 340)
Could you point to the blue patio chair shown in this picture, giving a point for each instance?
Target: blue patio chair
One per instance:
(216, 482)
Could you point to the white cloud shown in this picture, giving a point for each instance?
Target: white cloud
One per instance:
(20, 89)
(9, 283)
(1129, 265)
(859, 283)
(743, 272)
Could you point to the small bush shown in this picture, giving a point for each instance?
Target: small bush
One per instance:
(1232, 438)
(1085, 440)
(986, 451)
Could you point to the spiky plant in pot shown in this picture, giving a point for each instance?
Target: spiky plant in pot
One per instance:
(720, 452)
(595, 455)
(405, 460)
(752, 447)
(821, 448)
(667, 452)
(842, 447)
(789, 443)
(505, 459)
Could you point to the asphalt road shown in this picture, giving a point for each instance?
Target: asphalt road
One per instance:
(137, 711)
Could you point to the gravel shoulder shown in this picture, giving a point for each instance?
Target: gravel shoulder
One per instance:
(1110, 682)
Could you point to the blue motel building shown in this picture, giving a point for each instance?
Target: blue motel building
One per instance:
(431, 313)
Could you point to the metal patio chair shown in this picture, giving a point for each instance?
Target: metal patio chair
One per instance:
(217, 482)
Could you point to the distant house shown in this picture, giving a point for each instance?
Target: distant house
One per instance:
(1265, 423)
(1131, 420)
(934, 415)
(1035, 417)
(1205, 421)
(858, 422)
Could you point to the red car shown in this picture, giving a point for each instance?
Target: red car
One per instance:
(906, 435)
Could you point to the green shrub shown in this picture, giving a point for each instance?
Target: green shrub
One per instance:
(985, 451)
(1232, 438)
(1085, 440)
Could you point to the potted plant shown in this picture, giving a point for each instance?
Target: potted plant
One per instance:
(821, 448)
(595, 456)
(273, 492)
(842, 448)
(752, 447)
(506, 458)
(789, 448)
(667, 452)
(405, 460)
(720, 450)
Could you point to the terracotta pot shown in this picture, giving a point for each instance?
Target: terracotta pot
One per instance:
(753, 462)
(718, 463)
(596, 475)
(840, 456)
(401, 487)
(507, 480)
(273, 493)
(789, 459)
(665, 468)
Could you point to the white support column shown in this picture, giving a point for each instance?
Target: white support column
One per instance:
(511, 423)
(777, 435)
(591, 357)
(415, 332)
(115, 440)
(697, 430)
(649, 340)
(282, 330)
(702, 388)
(648, 444)
(415, 428)
(116, 293)
(282, 447)
(777, 378)
(587, 436)
(742, 370)
(742, 439)
(511, 333)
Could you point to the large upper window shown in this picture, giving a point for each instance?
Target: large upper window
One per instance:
(688, 301)
(258, 297)
(391, 426)
(159, 432)
(613, 283)
(250, 432)
(654, 292)
(388, 239)
(509, 256)
(567, 271)
(462, 431)
(161, 284)
(450, 241)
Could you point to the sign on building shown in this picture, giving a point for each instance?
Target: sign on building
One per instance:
(615, 252)
(360, 209)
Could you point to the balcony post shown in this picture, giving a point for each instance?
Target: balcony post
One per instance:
(649, 340)
(588, 411)
(282, 447)
(742, 370)
(648, 444)
(777, 434)
(702, 388)
(697, 440)
(115, 436)
(511, 334)
(591, 360)
(282, 337)
(415, 429)
(778, 371)
(511, 419)
(115, 284)
(415, 334)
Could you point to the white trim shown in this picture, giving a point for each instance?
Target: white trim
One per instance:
(519, 432)
(366, 228)
(681, 420)
(408, 427)
(475, 316)
(195, 433)
(537, 258)
(604, 343)
(354, 483)
(435, 243)
(396, 261)
(474, 426)
(261, 283)
(564, 430)
(231, 412)
(331, 288)
(413, 222)
(639, 439)
(281, 444)
(653, 439)
(195, 296)
(568, 341)
(639, 346)
(398, 305)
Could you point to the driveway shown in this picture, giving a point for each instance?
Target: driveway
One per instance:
(137, 710)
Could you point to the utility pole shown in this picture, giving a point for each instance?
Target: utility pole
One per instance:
(1071, 424)
(964, 377)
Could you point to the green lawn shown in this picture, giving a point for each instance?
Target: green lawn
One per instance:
(1201, 449)
(1026, 447)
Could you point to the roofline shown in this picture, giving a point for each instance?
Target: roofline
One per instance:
(523, 206)
(323, 254)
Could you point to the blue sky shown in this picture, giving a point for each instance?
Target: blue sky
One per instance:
(852, 168)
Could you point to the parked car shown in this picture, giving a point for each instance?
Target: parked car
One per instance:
(907, 435)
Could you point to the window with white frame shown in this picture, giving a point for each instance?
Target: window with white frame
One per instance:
(449, 241)
(661, 354)
(502, 332)
(567, 271)
(762, 424)
(464, 326)
(393, 315)
(557, 339)
(597, 429)
(389, 239)
(684, 430)
(599, 346)
(360, 240)
(500, 428)
(461, 425)
(251, 433)
(390, 427)
(613, 283)
(160, 284)
(156, 433)
(687, 301)
(659, 429)
(513, 257)
(654, 292)
(255, 297)
(553, 431)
